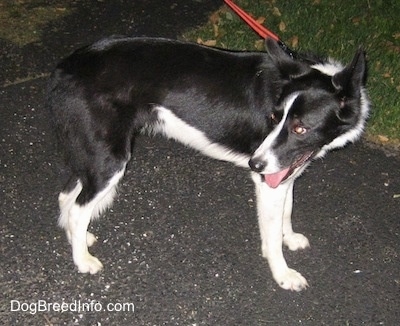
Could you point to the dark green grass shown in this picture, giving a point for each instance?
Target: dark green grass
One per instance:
(333, 28)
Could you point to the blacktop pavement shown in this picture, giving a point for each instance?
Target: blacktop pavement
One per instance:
(181, 244)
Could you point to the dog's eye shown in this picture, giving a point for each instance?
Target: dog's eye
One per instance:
(299, 130)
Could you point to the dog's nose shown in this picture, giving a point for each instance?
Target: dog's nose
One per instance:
(257, 165)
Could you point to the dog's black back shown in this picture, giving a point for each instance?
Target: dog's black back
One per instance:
(219, 92)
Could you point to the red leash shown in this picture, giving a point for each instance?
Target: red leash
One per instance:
(258, 28)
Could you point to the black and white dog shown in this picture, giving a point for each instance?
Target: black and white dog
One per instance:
(263, 110)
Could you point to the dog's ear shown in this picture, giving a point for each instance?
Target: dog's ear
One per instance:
(349, 83)
(351, 79)
(289, 67)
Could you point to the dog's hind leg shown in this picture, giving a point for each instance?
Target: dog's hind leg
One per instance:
(66, 200)
(78, 206)
(294, 241)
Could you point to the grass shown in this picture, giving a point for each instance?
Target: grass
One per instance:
(332, 27)
(21, 21)
(335, 28)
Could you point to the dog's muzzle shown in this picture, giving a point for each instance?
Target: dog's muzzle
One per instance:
(257, 165)
(274, 179)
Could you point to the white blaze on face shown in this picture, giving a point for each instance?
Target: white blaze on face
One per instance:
(265, 152)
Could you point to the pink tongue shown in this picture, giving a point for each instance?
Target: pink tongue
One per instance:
(274, 180)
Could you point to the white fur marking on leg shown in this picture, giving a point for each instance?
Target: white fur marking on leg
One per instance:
(104, 202)
(294, 241)
(66, 201)
(78, 222)
(270, 206)
(90, 239)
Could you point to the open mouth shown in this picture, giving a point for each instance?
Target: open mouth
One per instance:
(275, 179)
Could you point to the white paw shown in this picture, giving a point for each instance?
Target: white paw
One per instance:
(88, 264)
(296, 241)
(90, 239)
(291, 280)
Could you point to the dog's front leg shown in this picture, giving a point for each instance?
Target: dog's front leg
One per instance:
(294, 241)
(271, 209)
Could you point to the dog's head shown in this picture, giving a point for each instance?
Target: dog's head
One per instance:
(320, 106)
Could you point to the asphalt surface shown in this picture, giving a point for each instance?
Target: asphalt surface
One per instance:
(181, 243)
